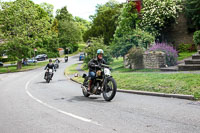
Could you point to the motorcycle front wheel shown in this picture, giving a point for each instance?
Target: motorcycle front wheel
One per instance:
(85, 92)
(110, 89)
(48, 80)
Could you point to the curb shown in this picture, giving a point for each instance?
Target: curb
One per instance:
(22, 70)
(179, 96)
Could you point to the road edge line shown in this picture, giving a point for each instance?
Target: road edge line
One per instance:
(56, 109)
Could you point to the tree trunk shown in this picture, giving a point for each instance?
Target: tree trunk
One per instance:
(19, 65)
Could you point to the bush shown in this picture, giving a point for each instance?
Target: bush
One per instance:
(196, 37)
(91, 51)
(135, 38)
(52, 55)
(192, 11)
(159, 14)
(186, 48)
(135, 56)
(170, 53)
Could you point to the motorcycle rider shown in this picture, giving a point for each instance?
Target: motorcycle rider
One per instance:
(50, 65)
(94, 66)
(57, 61)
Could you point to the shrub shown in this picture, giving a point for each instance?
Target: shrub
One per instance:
(170, 53)
(135, 38)
(196, 37)
(52, 55)
(135, 56)
(159, 14)
(192, 11)
(186, 48)
(91, 51)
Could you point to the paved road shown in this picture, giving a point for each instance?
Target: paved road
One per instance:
(29, 105)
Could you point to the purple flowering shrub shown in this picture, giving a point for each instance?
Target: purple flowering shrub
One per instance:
(170, 52)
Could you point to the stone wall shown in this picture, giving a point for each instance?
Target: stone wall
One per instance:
(178, 33)
(152, 60)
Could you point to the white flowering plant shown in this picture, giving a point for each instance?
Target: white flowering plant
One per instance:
(158, 14)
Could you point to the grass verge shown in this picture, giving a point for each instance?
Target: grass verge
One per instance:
(24, 68)
(184, 55)
(152, 81)
(71, 70)
(118, 66)
(177, 83)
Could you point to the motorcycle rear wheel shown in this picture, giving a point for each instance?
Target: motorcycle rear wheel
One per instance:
(111, 89)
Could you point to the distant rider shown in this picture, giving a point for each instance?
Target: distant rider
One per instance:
(50, 65)
(94, 66)
(57, 61)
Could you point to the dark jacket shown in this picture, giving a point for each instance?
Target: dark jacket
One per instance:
(50, 66)
(94, 63)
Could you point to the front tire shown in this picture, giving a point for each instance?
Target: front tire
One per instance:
(110, 89)
(85, 92)
(48, 80)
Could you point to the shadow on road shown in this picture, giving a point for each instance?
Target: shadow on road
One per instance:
(85, 99)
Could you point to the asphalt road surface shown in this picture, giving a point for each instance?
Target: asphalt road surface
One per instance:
(30, 105)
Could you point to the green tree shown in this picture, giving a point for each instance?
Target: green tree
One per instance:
(127, 23)
(83, 24)
(63, 14)
(193, 13)
(23, 24)
(69, 35)
(91, 51)
(104, 22)
(69, 32)
(48, 8)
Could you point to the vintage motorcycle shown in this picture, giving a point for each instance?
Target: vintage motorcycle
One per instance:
(66, 58)
(48, 75)
(103, 83)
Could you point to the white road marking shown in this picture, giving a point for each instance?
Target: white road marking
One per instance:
(56, 109)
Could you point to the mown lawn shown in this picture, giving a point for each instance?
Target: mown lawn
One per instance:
(184, 55)
(71, 70)
(176, 83)
(118, 66)
(28, 67)
(152, 80)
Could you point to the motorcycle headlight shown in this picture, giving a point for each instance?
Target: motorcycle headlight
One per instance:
(98, 73)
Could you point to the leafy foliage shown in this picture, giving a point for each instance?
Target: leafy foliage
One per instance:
(186, 48)
(63, 14)
(158, 14)
(48, 8)
(170, 53)
(196, 37)
(104, 22)
(192, 12)
(124, 34)
(69, 32)
(83, 25)
(23, 24)
(135, 56)
(136, 38)
(91, 51)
